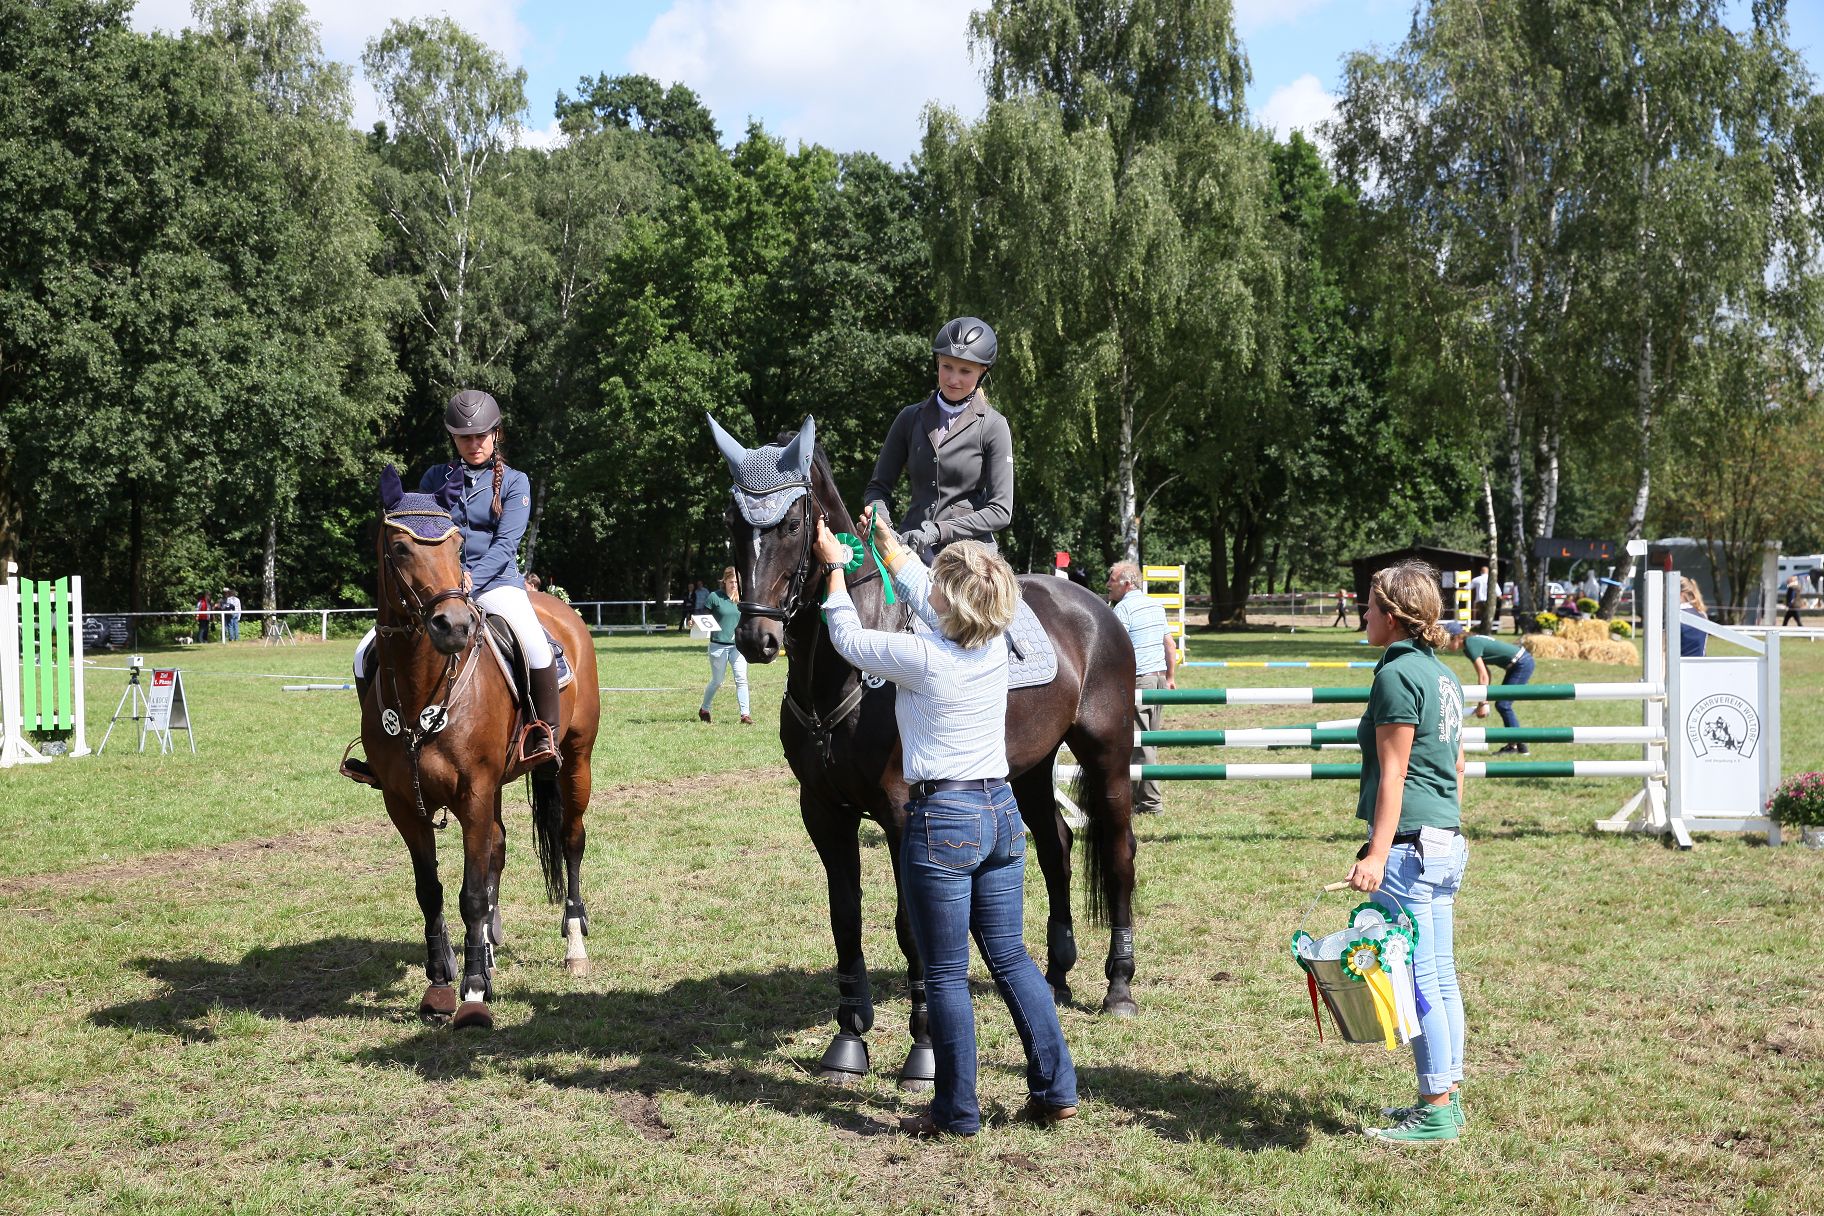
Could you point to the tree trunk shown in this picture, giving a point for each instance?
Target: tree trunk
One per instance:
(136, 550)
(269, 576)
(1643, 411)
(538, 514)
(1126, 499)
(1219, 566)
(1244, 549)
(1491, 592)
(1516, 495)
(1545, 506)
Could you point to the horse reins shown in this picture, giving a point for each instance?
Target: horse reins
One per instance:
(820, 727)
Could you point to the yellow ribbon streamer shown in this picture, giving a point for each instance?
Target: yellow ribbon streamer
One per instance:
(1380, 986)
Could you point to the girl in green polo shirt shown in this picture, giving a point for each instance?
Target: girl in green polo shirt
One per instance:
(1486, 652)
(1411, 798)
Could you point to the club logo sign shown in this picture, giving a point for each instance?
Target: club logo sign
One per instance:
(1723, 727)
(1450, 710)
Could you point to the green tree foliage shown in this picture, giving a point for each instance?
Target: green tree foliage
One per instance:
(1107, 214)
(172, 280)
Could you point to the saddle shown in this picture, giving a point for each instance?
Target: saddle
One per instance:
(1032, 659)
(504, 646)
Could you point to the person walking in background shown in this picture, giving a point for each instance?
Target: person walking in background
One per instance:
(1483, 651)
(1342, 607)
(1155, 664)
(962, 854)
(1691, 639)
(1792, 604)
(1478, 596)
(695, 597)
(202, 617)
(1411, 797)
(231, 619)
(725, 606)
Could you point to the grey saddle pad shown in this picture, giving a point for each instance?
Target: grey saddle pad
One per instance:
(1031, 658)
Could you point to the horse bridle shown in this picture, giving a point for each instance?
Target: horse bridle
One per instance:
(794, 589)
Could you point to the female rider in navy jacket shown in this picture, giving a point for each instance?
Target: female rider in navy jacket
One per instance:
(491, 511)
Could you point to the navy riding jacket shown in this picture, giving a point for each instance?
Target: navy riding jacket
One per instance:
(490, 546)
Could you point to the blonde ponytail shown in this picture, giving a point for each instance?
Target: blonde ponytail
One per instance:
(1408, 592)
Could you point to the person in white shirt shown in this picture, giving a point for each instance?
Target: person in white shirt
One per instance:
(1155, 664)
(962, 857)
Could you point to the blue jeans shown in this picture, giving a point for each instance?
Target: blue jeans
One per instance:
(962, 871)
(722, 656)
(1519, 671)
(1428, 890)
(233, 626)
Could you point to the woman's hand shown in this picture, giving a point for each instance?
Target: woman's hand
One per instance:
(1365, 875)
(885, 538)
(826, 548)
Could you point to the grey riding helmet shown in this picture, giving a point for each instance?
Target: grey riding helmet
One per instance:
(968, 338)
(471, 412)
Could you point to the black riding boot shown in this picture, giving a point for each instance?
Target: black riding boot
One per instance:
(354, 767)
(539, 742)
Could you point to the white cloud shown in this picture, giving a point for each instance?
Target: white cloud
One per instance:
(849, 74)
(346, 25)
(1301, 106)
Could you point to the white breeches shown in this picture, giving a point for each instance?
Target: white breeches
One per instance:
(510, 602)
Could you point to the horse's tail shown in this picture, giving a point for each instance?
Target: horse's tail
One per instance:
(1097, 840)
(548, 828)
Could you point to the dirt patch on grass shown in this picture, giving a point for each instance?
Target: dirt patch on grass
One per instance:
(642, 796)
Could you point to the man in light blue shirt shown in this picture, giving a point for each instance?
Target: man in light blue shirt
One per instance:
(1155, 663)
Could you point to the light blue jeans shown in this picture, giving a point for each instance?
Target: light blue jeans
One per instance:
(1428, 890)
(722, 656)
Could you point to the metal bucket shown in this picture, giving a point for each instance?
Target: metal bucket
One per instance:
(1348, 1000)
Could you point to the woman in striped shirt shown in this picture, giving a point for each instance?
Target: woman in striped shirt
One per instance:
(963, 852)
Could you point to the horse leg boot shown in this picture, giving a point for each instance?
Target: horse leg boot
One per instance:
(538, 742)
(846, 1058)
(919, 1072)
(478, 899)
(1120, 972)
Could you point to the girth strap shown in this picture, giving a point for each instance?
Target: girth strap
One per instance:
(822, 728)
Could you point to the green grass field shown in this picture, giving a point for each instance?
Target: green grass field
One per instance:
(216, 960)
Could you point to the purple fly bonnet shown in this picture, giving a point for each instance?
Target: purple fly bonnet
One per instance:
(768, 480)
(423, 517)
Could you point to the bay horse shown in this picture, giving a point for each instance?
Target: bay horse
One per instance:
(438, 722)
(842, 740)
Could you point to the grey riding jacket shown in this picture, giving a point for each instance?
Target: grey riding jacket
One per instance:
(961, 480)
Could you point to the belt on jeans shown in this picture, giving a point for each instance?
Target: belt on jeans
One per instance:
(924, 789)
(1403, 838)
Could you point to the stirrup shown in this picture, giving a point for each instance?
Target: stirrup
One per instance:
(546, 751)
(356, 769)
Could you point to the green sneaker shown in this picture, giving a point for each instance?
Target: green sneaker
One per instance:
(1399, 1114)
(1426, 1122)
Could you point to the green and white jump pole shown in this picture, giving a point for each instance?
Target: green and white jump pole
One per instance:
(41, 684)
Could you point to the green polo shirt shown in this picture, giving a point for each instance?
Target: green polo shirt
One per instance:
(727, 614)
(1492, 653)
(1411, 687)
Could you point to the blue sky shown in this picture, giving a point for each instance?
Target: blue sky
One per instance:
(852, 74)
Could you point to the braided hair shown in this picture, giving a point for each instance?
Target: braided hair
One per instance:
(1408, 592)
(500, 464)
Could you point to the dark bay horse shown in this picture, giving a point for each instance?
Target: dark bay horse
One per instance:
(842, 740)
(437, 724)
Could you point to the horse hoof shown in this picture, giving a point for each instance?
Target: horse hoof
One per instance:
(439, 1002)
(919, 1072)
(839, 1077)
(474, 1014)
(577, 966)
(1120, 1007)
(1060, 996)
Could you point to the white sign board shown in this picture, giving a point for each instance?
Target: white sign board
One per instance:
(1721, 737)
(165, 706)
(702, 625)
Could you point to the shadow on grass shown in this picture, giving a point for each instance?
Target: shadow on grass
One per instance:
(1186, 1108)
(328, 978)
(716, 1037)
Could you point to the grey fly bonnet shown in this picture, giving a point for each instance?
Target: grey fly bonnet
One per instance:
(768, 480)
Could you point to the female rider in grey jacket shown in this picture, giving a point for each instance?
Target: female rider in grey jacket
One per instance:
(955, 449)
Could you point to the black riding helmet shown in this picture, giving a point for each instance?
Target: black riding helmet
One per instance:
(968, 338)
(471, 412)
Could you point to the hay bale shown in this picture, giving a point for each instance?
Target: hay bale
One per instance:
(1607, 651)
(1545, 646)
(1584, 631)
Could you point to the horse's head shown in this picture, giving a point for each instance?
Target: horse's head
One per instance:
(772, 519)
(422, 582)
